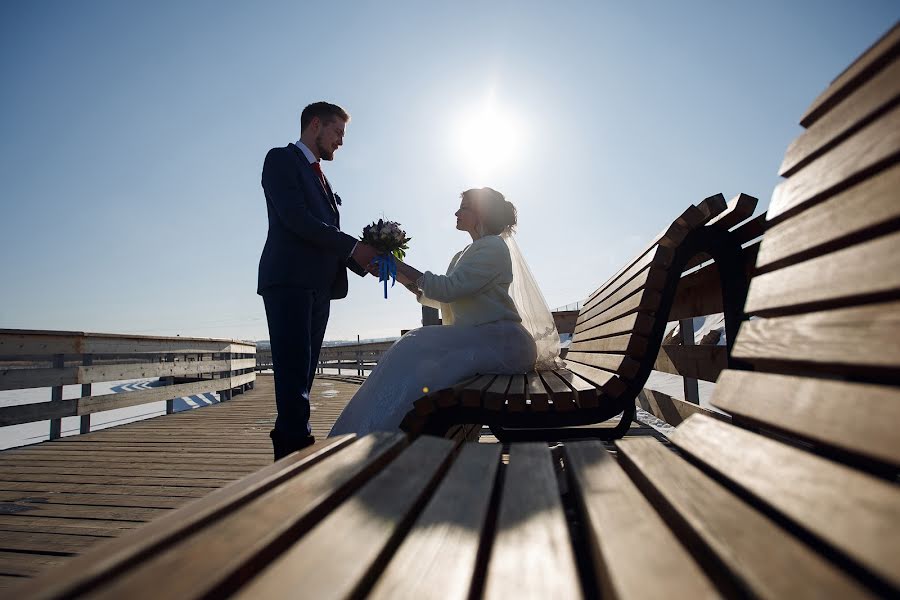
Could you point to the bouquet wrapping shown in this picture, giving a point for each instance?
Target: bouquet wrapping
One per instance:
(389, 239)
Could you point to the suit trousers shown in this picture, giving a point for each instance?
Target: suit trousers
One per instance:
(297, 318)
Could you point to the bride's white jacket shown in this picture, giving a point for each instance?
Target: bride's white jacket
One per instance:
(475, 289)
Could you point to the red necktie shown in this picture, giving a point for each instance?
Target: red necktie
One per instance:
(318, 169)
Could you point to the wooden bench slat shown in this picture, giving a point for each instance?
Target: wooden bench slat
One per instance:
(700, 292)
(585, 393)
(672, 410)
(563, 398)
(206, 562)
(700, 361)
(867, 270)
(863, 340)
(854, 75)
(657, 256)
(712, 207)
(336, 557)
(532, 554)
(877, 93)
(495, 394)
(861, 154)
(863, 210)
(627, 344)
(437, 557)
(611, 384)
(625, 366)
(857, 418)
(515, 395)
(634, 554)
(537, 393)
(843, 507)
(652, 279)
(471, 394)
(635, 323)
(739, 210)
(642, 300)
(750, 230)
(452, 396)
(738, 539)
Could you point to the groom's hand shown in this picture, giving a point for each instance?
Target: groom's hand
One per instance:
(363, 255)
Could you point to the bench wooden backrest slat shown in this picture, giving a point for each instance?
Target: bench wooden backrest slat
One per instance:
(641, 300)
(699, 293)
(860, 341)
(340, 554)
(635, 324)
(848, 510)
(876, 95)
(658, 256)
(700, 362)
(631, 545)
(451, 525)
(862, 69)
(866, 271)
(531, 555)
(763, 557)
(626, 344)
(858, 213)
(874, 146)
(652, 279)
(849, 417)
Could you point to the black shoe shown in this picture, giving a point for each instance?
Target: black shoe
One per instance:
(284, 445)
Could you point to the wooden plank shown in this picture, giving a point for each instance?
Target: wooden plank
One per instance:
(20, 342)
(751, 229)
(532, 555)
(633, 553)
(563, 398)
(854, 215)
(700, 362)
(537, 393)
(854, 513)
(471, 394)
(862, 341)
(204, 562)
(634, 278)
(672, 410)
(339, 556)
(654, 254)
(62, 544)
(865, 104)
(607, 309)
(700, 292)
(712, 207)
(515, 395)
(612, 385)
(623, 366)
(495, 394)
(873, 59)
(62, 498)
(27, 564)
(873, 147)
(626, 344)
(640, 301)
(586, 393)
(740, 208)
(437, 558)
(735, 540)
(172, 491)
(635, 323)
(856, 418)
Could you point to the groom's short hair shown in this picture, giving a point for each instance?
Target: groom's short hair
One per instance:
(325, 111)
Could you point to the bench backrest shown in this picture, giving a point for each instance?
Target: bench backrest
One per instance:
(824, 340)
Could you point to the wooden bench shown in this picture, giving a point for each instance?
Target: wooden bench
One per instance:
(798, 497)
(617, 337)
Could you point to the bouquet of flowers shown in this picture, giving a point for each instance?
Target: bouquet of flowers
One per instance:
(389, 239)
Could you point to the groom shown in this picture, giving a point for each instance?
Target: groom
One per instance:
(303, 265)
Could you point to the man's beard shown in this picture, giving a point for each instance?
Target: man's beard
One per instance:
(324, 153)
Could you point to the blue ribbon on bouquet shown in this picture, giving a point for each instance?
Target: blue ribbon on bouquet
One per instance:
(387, 269)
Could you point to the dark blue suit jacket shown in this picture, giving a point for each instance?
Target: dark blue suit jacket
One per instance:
(305, 246)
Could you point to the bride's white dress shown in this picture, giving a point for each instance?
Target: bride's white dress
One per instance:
(482, 333)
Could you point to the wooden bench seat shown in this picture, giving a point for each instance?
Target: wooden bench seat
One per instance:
(794, 494)
(617, 337)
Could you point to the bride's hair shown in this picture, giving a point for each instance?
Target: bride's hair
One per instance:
(498, 215)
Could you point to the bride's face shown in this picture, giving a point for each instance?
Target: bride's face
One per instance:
(466, 217)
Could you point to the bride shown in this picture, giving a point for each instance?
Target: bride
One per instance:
(495, 320)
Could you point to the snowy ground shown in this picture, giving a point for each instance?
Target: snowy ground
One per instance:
(39, 431)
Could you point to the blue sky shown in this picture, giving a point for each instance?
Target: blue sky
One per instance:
(133, 136)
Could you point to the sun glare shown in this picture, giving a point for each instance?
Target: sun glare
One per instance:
(488, 139)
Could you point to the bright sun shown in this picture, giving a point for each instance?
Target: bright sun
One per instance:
(488, 139)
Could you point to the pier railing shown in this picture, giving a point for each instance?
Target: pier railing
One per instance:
(53, 359)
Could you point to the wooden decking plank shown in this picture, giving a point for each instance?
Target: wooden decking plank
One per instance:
(437, 557)
(43, 498)
(854, 513)
(734, 537)
(58, 544)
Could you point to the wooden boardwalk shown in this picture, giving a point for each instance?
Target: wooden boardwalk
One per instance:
(59, 498)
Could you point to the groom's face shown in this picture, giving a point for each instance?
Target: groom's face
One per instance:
(330, 138)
